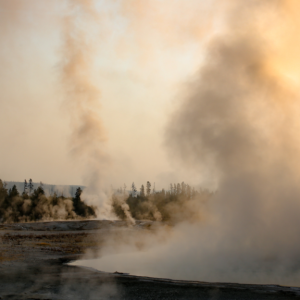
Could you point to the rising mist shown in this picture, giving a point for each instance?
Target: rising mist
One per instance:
(238, 123)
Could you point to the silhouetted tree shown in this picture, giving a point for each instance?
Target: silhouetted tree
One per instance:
(142, 193)
(175, 189)
(3, 200)
(37, 201)
(133, 189)
(78, 193)
(80, 208)
(171, 188)
(3, 190)
(148, 188)
(30, 186)
(25, 191)
(13, 192)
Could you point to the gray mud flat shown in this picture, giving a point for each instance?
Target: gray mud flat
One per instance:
(32, 257)
(60, 240)
(59, 281)
(72, 225)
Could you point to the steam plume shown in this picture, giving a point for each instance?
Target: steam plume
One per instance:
(239, 123)
(82, 98)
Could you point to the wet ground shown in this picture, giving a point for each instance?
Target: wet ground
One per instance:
(59, 281)
(28, 242)
(32, 266)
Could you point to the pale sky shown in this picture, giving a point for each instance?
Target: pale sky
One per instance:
(144, 55)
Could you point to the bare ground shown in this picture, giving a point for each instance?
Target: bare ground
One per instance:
(32, 257)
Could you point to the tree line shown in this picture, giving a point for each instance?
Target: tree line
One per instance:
(175, 189)
(180, 202)
(34, 205)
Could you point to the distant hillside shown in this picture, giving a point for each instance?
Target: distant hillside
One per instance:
(50, 189)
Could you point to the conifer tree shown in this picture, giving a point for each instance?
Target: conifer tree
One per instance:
(30, 186)
(25, 187)
(142, 194)
(153, 190)
(78, 193)
(175, 189)
(133, 188)
(77, 200)
(3, 191)
(13, 192)
(171, 188)
(148, 188)
(80, 207)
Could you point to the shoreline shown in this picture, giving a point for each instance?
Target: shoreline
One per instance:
(34, 261)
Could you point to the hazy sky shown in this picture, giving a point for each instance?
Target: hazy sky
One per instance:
(143, 54)
(143, 57)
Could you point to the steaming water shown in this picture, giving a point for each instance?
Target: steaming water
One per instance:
(148, 263)
(136, 263)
